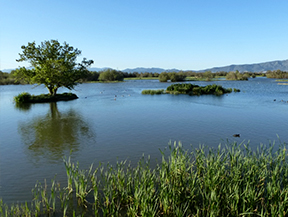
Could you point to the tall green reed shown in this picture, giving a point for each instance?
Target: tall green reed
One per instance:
(230, 180)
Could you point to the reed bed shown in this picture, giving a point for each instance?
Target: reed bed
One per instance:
(152, 92)
(227, 181)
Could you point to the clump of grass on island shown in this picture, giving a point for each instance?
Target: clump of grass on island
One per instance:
(188, 88)
(28, 98)
(226, 181)
(152, 92)
(191, 89)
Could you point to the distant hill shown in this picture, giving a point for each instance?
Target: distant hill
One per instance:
(256, 67)
(153, 70)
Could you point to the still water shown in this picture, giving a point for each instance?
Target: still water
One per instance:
(113, 121)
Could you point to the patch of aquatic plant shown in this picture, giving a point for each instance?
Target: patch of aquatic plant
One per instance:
(231, 180)
(152, 92)
(236, 90)
(28, 98)
(191, 89)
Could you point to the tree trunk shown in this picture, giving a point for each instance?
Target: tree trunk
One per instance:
(52, 90)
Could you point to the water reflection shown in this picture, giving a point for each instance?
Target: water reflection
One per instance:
(23, 106)
(55, 134)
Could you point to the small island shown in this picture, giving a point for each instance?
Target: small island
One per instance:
(53, 65)
(28, 98)
(192, 89)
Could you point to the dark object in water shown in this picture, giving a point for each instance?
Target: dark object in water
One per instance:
(236, 135)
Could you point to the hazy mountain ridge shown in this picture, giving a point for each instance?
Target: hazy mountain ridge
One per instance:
(256, 67)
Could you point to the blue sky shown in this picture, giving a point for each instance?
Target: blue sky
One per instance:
(183, 34)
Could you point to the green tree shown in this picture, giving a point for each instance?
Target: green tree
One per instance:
(111, 75)
(53, 65)
(208, 75)
(164, 77)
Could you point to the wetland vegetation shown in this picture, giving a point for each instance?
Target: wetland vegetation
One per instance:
(233, 180)
(192, 89)
(28, 98)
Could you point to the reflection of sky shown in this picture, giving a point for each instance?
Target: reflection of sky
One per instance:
(133, 124)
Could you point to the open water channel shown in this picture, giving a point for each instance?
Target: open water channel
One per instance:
(113, 121)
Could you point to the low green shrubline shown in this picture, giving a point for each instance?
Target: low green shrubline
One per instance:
(231, 180)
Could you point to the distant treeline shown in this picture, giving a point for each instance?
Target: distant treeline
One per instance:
(9, 78)
(276, 74)
(115, 75)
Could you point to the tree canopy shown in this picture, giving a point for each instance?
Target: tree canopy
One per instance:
(111, 75)
(53, 65)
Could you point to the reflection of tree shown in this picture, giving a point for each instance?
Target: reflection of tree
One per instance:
(23, 106)
(55, 133)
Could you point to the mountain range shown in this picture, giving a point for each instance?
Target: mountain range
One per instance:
(256, 67)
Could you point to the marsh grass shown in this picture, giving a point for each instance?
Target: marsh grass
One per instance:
(226, 181)
(152, 92)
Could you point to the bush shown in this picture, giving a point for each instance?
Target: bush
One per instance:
(92, 76)
(276, 74)
(237, 76)
(22, 97)
(172, 76)
(163, 77)
(111, 75)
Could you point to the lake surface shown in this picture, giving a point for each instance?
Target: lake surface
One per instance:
(97, 128)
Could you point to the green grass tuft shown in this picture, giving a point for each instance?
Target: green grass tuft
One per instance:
(152, 92)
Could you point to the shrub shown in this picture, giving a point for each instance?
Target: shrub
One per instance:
(237, 76)
(236, 90)
(276, 74)
(111, 75)
(172, 76)
(163, 77)
(22, 97)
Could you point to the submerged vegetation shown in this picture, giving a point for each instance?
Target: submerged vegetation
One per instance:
(192, 89)
(231, 180)
(28, 98)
